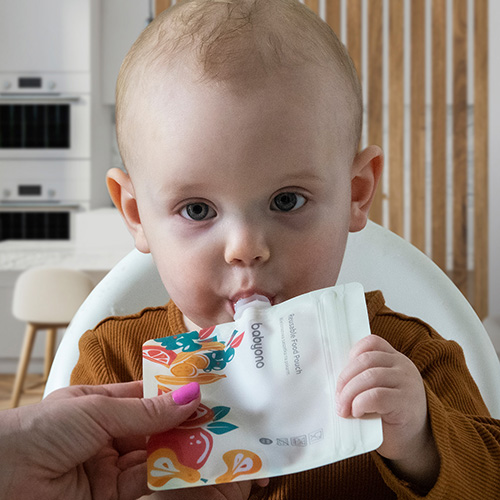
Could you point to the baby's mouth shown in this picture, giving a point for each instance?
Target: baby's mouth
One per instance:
(255, 300)
(249, 296)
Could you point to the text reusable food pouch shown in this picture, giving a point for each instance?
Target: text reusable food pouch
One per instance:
(268, 391)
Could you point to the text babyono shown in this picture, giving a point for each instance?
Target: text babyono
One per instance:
(257, 347)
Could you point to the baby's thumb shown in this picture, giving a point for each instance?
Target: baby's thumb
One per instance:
(144, 416)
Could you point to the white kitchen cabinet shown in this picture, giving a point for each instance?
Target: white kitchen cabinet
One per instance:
(122, 22)
(44, 36)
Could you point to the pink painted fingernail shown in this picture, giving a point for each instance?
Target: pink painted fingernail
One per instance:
(186, 393)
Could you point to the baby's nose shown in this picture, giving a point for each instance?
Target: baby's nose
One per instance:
(246, 246)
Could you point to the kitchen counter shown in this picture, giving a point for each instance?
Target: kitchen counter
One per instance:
(21, 255)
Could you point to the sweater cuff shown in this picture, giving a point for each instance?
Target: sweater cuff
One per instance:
(404, 489)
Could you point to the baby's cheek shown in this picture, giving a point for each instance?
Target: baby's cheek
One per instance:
(319, 265)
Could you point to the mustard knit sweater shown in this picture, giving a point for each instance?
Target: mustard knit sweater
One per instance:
(468, 439)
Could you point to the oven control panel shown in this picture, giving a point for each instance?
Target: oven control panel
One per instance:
(67, 83)
(44, 181)
(29, 192)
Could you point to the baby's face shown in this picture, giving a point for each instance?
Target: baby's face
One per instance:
(243, 194)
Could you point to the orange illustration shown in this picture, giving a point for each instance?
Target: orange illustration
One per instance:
(187, 365)
(239, 462)
(163, 466)
(201, 378)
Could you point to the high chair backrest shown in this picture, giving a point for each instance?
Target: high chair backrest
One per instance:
(375, 257)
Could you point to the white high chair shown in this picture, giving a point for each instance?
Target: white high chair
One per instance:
(375, 257)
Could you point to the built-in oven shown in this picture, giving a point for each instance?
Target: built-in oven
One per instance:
(45, 116)
(44, 153)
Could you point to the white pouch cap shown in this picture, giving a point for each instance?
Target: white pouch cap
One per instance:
(254, 300)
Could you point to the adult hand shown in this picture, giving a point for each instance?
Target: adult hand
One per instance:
(379, 379)
(65, 447)
(239, 490)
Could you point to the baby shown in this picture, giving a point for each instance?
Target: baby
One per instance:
(238, 122)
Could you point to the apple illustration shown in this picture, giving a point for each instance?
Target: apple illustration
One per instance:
(191, 446)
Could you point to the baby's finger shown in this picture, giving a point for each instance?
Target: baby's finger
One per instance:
(372, 379)
(370, 343)
(365, 361)
(379, 400)
(262, 482)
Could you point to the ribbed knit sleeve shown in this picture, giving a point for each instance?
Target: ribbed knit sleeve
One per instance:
(112, 351)
(468, 440)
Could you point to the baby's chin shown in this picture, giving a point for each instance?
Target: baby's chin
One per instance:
(200, 323)
(190, 325)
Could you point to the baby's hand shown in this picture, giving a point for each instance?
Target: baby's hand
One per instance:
(378, 379)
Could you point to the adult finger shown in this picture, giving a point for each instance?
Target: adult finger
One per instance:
(132, 482)
(122, 390)
(125, 417)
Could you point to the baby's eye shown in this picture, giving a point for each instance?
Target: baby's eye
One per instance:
(286, 202)
(198, 211)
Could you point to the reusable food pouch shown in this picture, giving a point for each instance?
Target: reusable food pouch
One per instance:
(268, 391)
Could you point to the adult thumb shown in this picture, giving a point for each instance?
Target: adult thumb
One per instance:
(124, 417)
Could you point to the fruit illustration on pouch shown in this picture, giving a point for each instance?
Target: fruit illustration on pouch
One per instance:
(239, 463)
(158, 354)
(182, 451)
(192, 356)
(164, 466)
(191, 446)
(202, 415)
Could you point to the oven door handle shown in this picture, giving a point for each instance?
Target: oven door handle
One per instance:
(38, 98)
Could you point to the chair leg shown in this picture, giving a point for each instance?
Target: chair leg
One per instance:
(49, 351)
(29, 338)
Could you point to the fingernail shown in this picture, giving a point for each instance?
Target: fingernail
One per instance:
(186, 393)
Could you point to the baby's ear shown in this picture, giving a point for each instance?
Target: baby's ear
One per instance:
(122, 193)
(366, 172)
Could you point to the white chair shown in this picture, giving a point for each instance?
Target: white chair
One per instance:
(46, 298)
(375, 257)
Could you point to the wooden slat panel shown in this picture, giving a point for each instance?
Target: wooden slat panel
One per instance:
(353, 14)
(439, 114)
(460, 144)
(396, 116)
(418, 123)
(481, 157)
(161, 5)
(313, 5)
(375, 91)
(333, 15)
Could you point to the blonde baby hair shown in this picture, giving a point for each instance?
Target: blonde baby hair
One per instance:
(235, 43)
